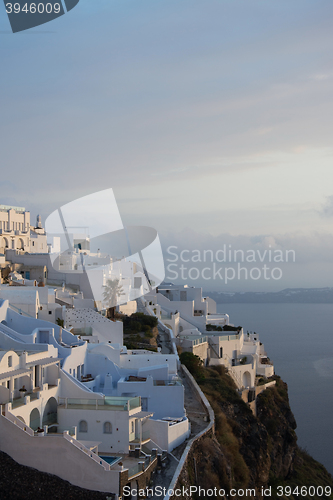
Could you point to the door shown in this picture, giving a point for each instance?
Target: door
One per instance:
(36, 376)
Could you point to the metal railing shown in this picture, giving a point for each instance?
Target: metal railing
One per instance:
(167, 382)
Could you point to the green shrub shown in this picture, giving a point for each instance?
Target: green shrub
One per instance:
(193, 363)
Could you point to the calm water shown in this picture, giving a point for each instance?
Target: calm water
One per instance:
(299, 340)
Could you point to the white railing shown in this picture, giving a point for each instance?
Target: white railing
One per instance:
(85, 450)
(234, 375)
(19, 311)
(16, 421)
(9, 332)
(151, 445)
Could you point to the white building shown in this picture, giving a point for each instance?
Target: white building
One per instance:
(16, 232)
(85, 403)
(38, 302)
(92, 326)
(23, 298)
(198, 329)
(182, 307)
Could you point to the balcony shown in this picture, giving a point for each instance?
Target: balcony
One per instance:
(137, 439)
(167, 382)
(264, 360)
(28, 396)
(107, 403)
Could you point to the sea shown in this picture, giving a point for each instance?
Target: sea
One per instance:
(298, 339)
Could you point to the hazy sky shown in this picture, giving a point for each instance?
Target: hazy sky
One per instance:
(211, 119)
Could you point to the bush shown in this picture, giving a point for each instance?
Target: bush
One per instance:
(193, 363)
(139, 322)
(228, 328)
(145, 319)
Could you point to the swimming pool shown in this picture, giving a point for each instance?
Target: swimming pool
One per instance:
(110, 460)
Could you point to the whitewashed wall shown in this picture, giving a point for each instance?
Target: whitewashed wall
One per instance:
(168, 436)
(116, 442)
(43, 453)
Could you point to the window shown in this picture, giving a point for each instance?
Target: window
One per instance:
(107, 428)
(83, 426)
(15, 383)
(50, 312)
(10, 361)
(144, 404)
(132, 426)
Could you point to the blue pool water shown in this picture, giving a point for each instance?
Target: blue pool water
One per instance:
(111, 460)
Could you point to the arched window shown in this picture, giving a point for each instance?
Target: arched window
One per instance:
(107, 428)
(83, 426)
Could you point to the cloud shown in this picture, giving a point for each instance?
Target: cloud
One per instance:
(306, 259)
(327, 210)
(204, 104)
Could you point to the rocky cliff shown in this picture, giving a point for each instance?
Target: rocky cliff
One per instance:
(248, 452)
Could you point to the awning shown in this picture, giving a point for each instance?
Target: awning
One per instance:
(142, 414)
(14, 373)
(44, 362)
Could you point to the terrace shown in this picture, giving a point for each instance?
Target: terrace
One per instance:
(106, 403)
(174, 381)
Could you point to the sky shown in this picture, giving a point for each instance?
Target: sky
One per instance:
(211, 120)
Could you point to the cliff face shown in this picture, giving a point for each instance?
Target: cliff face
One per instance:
(248, 451)
(274, 413)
